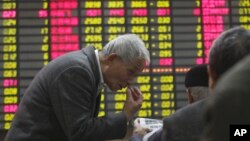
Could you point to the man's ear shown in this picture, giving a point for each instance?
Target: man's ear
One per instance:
(108, 59)
(212, 77)
(111, 57)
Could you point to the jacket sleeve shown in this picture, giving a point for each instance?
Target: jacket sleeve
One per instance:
(73, 96)
(157, 136)
(136, 138)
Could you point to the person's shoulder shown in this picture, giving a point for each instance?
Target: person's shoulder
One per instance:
(196, 105)
(191, 108)
(188, 115)
(185, 123)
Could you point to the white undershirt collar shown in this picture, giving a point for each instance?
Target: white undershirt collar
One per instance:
(99, 67)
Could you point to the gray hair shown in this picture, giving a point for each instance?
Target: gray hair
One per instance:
(199, 92)
(129, 47)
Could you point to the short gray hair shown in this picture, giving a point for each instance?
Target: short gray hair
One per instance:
(199, 92)
(128, 47)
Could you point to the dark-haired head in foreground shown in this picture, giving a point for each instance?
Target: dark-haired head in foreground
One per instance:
(230, 104)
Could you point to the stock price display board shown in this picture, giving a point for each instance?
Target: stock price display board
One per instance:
(178, 34)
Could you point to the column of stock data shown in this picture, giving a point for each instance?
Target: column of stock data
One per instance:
(91, 23)
(186, 29)
(161, 68)
(33, 40)
(63, 21)
(240, 13)
(177, 33)
(8, 63)
(196, 23)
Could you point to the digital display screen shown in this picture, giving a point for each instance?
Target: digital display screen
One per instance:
(177, 33)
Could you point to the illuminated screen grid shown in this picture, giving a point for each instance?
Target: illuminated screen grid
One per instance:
(178, 34)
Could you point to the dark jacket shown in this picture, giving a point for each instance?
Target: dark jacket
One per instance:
(62, 103)
(186, 124)
(228, 109)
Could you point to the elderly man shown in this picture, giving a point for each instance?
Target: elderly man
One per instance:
(62, 102)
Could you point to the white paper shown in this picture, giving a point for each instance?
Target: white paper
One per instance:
(153, 124)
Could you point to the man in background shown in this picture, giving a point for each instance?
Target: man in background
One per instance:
(196, 83)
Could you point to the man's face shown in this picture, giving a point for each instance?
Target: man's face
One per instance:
(119, 75)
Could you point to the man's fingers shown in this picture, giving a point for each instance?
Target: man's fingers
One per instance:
(133, 93)
(129, 93)
(136, 93)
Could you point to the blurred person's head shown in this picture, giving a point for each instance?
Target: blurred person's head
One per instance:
(229, 105)
(122, 59)
(196, 83)
(230, 47)
(226, 107)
